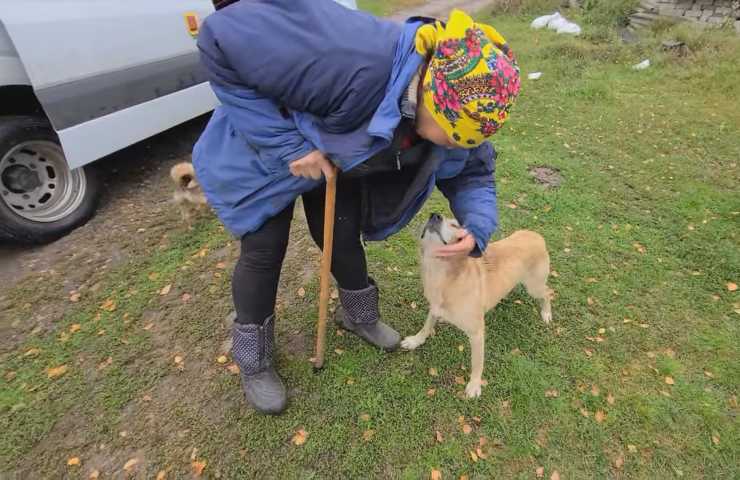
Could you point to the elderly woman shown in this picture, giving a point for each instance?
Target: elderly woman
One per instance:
(309, 85)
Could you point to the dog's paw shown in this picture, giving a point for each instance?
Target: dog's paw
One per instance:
(472, 389)
(546, 317)
(410, 343)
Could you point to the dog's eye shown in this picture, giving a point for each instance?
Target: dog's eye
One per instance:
(455, 225)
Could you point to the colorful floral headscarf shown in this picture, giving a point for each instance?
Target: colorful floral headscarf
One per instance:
(472, 79)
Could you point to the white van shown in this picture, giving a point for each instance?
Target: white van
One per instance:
(80, 79)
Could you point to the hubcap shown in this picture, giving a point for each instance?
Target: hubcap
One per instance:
(37, 185)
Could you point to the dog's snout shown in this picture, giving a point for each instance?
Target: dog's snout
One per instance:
(435, 218)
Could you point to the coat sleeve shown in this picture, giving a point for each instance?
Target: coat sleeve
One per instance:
(269, 129)
(472, 195)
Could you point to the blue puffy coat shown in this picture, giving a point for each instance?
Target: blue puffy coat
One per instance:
(298, 75)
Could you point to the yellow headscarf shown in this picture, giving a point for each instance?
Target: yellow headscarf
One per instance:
(472, 79)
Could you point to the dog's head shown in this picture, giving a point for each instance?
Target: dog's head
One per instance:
(439, 231)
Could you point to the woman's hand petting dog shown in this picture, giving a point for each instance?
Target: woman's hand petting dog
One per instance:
(312, 166)
(462, 247)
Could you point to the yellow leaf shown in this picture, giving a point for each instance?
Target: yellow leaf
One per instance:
(166, 289)
(201, 253)
(554, 274)
(467, 429)
(436, 475)
(365, 417)
(198, 467)
(610, 399)
(518, 302)
(590, 301)
(599, 416)
(148, 326)
(715, 439)
(109, 305)
(368, 434)
(639, 248)
(632, 448)
(669, 381)
(350, 381)
(94, 475)
(56, 372)
(32, 352)
(555, 475)
(540, 472)
(222, 359)
(75, 327)
(301, 292)
(128, 466)
(460, 380)
(73, 462)
(438, 436)
(552, 393)
(473, 456)
(431, 392)
(338, 351)
(708, 374)
(602, 331)
(464, 477)
(585, 412)
(300, 437)
(731, 286)
(161, 475)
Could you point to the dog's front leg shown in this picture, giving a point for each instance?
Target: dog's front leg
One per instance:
(410, 343)
(477, 338)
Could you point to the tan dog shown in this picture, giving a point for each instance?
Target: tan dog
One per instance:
(461, 290)
(188, 194)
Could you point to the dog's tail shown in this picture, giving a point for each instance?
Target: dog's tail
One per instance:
(183, 174)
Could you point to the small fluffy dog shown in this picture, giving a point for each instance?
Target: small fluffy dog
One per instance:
(461, 290)
(188, 195)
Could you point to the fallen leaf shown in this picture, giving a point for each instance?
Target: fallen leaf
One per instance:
(551, 393)
(413, 306)
(338, 351)
(639, 248)
(460, 380)
(105, 363)
(148, 326)
(350, 381)
(153, 276)
(178, 359)
(95, 474)
(233, 369)
(334, 294)
(589, 353)
(632, 448)
(56, 372)
(516, 351)
(198, 467)
(128, 466)
(201, 253)
(610, 399)
(585, 412)
(540, 472)
(555, 475)
(464, 477)
(166, 289)
(221, 265)
(669, 381)
(75, 297)
(433, 372)
(467, 429)
(301, 292)
(438, 436)
(435, 475)
(109, 305)
(480, 453)
(590, 301)
(75, 327)
(368, 434)
(518, 302)
(73, 462)
(665, 394)
(431, 392)
(619, 462)
(186, 297)
(300, 437)
(715, 438)
(599, 416)
(554, 273)
(511, 205)
(473, 456)
(32, 352)
(602, 331)
(708, 374)
(715, 297)
(644, 325)
(161, 475)
(222, 359)
(595, 390)
(731, 286)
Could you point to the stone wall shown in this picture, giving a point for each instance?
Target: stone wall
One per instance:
(714, 12)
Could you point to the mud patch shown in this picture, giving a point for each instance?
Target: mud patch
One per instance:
(550, 177)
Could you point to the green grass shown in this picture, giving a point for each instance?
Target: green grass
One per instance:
(386, 7)
(649, 160)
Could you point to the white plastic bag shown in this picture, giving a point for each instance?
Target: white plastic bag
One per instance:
(541, 22)
(571, 28)
(556, 22)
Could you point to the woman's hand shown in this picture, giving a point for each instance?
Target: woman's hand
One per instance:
(464, 245)
(312, 166)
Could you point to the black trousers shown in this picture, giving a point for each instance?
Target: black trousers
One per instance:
(255, 280)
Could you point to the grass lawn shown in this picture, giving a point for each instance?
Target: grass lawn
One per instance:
(637, 378)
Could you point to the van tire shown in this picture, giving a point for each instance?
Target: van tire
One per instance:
(40, 198)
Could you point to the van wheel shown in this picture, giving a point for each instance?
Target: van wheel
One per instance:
(41, 199)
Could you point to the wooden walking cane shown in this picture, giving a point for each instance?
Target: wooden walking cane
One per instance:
(325, 272)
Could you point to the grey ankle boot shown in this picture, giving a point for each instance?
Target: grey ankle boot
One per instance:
(253, 349)
(360, 315)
